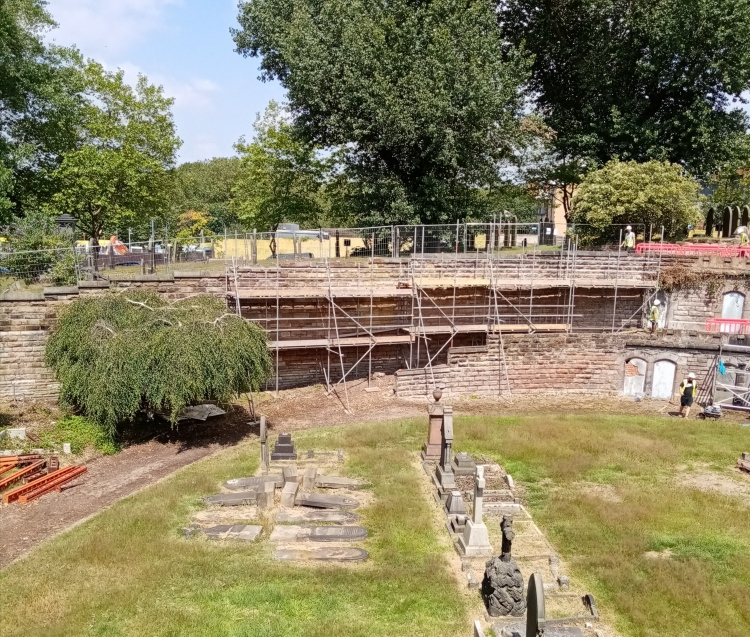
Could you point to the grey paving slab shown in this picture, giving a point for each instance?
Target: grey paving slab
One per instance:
(326, 554)
(252, 484)
(233, 499)
(323, 501)
(305, 515)
(237, 532)
(337, 482)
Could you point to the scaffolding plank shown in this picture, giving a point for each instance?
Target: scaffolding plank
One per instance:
(353, 341)
(248, 294)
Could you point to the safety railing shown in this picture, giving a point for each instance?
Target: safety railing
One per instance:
(728, 326)
(693, 249)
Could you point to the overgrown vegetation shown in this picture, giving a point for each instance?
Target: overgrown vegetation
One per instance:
(80, 433)
(119, 354)
(679, 277)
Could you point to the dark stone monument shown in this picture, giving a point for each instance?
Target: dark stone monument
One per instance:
(284, 448)
(502, 587)
(434, 444)
(320, 501)
(464, 465)
(536, 618)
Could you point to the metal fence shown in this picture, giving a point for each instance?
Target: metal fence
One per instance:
(217, 253)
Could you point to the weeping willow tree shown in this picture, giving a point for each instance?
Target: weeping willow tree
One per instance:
(121, 354)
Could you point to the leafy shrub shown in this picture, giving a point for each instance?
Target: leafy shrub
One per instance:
(80, 433)
(119, 354)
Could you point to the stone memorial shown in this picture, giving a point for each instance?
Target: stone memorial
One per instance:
(309, 516)
(434, 444)
(444, 479)
(336, 482)
(248, 484)
(264, 459)
(464, 465)
(321, 501)
(325, 554)
(475, 541)
(318, 534)
(308, 478)
(233, 499)
(290, 474)
(536, 618)
(502, 587)
(267, 497)
(289, 494)
(284, 448)
(239, 532)
(454, 505)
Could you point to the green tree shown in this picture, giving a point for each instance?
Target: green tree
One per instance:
(637, 80)
(206, 186)
(120, 172)
(281, 178)
(39, 105)
(421, 99)
(620, 193)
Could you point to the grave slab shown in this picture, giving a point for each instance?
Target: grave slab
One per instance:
(337, 482)
(242, 484)
(322, 501)
(238, 532)
(233, 499)
(288, 494)
(326, 554)
(304, 515)
(308, 478)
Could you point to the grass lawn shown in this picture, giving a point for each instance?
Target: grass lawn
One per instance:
(129, 572)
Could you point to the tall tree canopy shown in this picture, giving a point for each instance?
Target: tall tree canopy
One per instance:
(281, 178)
(120, 172)
(649, 79)
(206, 186)
(422, 98)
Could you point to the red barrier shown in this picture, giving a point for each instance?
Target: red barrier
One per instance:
(728, 326)
(694, 249)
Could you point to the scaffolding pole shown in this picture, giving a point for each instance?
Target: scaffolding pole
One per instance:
(617, 280)
(338, 340)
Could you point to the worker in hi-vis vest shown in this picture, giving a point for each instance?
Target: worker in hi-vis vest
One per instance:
(629, 242)
(741, 232)
(688, 390)
(653, 315)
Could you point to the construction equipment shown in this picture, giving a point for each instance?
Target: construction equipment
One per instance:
(34, 467)
(43, 485)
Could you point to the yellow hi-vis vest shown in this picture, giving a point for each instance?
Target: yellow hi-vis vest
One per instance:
(684, 385)
(654, 315)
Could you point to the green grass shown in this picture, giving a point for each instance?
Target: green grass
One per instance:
(129, 572)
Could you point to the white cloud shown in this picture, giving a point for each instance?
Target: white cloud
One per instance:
(201, 146)
(98, 25)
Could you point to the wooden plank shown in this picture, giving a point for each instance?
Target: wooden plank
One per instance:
(52, 486)
(354, 341)
(14, 494)
(15, 477)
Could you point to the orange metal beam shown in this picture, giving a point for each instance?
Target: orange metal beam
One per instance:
(52, 486)
(14, 494)
(15, 477)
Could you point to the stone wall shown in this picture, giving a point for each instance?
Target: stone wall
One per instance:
(689, 309)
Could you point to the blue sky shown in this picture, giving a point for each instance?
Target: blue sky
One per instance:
(185, 46)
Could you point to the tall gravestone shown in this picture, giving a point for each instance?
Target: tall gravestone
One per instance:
(445, 481)
(263, 446)
(475, 542)
(433, 446)
(502, 586)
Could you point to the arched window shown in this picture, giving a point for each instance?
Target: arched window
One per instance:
(635, 376)
(663, 383)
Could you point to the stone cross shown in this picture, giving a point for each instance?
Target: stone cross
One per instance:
(263, 446)
(478, 495)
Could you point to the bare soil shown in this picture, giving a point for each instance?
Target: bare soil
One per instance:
(734, 483)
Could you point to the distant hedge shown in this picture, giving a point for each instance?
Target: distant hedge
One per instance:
(119, 354)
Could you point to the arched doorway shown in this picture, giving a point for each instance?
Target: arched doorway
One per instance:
(635, 376)
(733, 305)
(663, 383)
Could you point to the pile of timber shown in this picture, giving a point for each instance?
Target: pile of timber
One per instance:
(38, 476)
(744, 462)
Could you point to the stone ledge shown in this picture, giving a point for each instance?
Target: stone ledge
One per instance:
(186, 274)
(94, 284)
(61, 290)
(22, 296)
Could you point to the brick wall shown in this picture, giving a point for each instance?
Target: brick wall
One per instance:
(689, 309)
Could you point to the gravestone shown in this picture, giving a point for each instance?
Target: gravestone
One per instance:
(336, 482)
(321, 501)
(464, 465)
(284, 448)
(267, 497)
(288, 494)
(264, 460)
(434, 444)
(233, 499)
(308, 479)
(502, 586)
(325, 554)
(241, 484)
(290, 474)
(309, 516)
(475, 542)
(536, 616)
(239, 532)
(318, 534)
(454, 505)
(444, 479)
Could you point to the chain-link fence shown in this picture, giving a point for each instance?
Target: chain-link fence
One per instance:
(36, 269)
